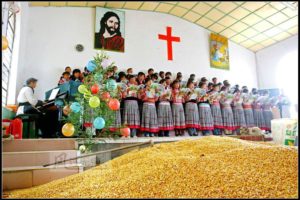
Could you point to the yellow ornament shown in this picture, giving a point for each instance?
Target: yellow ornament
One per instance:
(82, 89)
(68, 130)
(4, 43)
(94, 102)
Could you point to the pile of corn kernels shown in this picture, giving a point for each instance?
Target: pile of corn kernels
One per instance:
(209, 167)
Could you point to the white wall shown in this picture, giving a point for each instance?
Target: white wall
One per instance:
(50, 34)
(268, 61)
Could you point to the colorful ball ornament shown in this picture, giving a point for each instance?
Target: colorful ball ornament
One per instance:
(87, 95)
(91, 66)
(105, 96)
(75, 107)
(68, 130)
(114, 104)
(4, 43)
(82, 148)
(99, 123)
(59, 102)
(94, 102)
(67, 110)
(98, 77)
(82, 89)
(125, 132)
(87, 125)
(112, 129)
(95, 89)
(111, 85)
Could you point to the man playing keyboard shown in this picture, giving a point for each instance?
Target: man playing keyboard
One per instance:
(29, 104)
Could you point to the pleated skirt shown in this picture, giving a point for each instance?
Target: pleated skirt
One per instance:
(149, 118)
(117, 120)
(228, 120)
(192, 115)
(239, 117)
(131, 114)
(268, 116)
(249, 117)
(165, 117)
(259, 120)
(217, 116)
(205, 117)
(178, 116)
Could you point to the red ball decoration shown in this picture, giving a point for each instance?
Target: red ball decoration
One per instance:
(114, 104)
(95, 89)
(112, 129)
(105, 96)
(86, 125)
(125, 132)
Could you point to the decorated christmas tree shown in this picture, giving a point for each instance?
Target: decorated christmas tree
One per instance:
(96, 105)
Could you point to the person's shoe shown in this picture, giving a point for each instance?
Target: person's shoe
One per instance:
(151, 134)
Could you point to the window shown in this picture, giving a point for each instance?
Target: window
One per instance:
(8, 30)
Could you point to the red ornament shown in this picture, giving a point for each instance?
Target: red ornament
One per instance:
(95, 89)
(125, 132)
(105, 96)
(114, 104)
(86, 125)
(112, 129)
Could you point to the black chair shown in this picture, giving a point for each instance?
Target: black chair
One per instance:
(31, 120)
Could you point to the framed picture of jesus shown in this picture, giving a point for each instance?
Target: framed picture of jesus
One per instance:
(109, 30)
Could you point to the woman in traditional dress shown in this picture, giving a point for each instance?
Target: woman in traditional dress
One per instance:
(216, 110)
(238, 111)
(131, 115)
(205, 116)
(257, 110)
(267, 112)
(177, 109)
(164, 112)
(149, 123)
(191, 110)
(227, 114)
(247, 106)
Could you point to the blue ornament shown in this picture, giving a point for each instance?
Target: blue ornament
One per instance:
(98, 77)
(111, 85)
(75, 107)
(99, 123)
(91, 66)
(59, 102)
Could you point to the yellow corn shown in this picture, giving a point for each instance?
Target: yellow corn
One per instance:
(210, 167)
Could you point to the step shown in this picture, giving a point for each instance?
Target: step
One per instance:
(38, 144)
(25, 177)
(36, 158)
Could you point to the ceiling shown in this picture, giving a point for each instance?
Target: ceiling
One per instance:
(254, 25)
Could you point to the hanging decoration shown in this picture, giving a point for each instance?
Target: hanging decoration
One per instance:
(114, 104)
(68, 130)
(4, 43)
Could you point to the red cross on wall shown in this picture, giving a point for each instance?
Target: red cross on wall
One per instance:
(169, 38)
